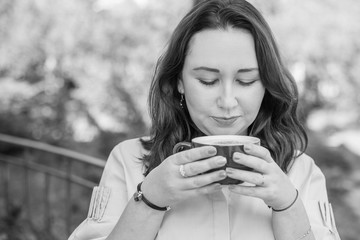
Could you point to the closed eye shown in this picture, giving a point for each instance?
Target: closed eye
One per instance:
(207, 82)
(246, 83)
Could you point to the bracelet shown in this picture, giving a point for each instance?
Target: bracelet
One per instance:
(280, 210)
(139, 196)
(307, 233)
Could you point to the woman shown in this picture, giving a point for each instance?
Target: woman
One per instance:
(221, 74)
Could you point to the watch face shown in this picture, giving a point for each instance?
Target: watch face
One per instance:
(138, 196)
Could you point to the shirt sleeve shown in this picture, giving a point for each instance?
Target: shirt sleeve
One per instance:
(314, 195)
(110, 198)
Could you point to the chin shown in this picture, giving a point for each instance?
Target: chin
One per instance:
(227, 132)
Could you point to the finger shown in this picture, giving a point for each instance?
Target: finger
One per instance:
(257, 179)
(202, 180)
(194, 154)
(259, 165)
(214, 187)
(258, 151)
(195, 168)
(248, 191)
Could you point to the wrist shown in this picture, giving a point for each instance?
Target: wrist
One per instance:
(140, 196)
(289, 205)
(153, 193)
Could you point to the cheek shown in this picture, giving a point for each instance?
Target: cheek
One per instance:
(197, 102)
(253, 103)
(197, 98)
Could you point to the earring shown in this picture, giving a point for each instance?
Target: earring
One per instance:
(182, 101)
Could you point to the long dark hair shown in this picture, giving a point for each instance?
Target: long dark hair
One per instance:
(276, 124)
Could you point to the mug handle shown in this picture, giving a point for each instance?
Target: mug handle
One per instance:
(181, 146)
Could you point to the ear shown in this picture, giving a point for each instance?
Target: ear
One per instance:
(180, 86)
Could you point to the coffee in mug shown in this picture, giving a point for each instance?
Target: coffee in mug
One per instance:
(226, 146)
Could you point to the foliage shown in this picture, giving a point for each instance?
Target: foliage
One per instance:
(73, 70)
(319, 41)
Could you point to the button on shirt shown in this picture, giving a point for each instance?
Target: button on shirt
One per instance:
(223, 215)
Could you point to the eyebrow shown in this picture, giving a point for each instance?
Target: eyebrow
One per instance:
(247, 70)
(217, 70)
(207, 69)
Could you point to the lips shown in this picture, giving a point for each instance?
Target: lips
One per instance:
(226, 121)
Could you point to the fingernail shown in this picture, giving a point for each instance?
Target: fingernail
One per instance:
(217, 186)
(237, 156)
(221, 161)
(212, 151)
(229, 170)
(247, 147)
(222, 174)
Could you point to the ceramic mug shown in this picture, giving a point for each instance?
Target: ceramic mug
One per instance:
(226, 146)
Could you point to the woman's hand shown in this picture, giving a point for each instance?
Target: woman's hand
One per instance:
(270, 183)
(165, 186)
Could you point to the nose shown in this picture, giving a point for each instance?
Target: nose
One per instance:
(227, 99)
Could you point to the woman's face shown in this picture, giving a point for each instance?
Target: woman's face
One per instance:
(221, 81)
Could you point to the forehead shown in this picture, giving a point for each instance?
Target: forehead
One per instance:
(213, 47)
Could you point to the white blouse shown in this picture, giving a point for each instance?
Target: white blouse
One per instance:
(220, 216)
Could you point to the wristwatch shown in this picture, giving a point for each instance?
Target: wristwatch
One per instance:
(139, 196)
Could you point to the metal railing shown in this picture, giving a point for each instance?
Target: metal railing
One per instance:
(44, 187)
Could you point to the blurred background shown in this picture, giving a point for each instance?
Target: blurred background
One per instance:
(74, 77)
